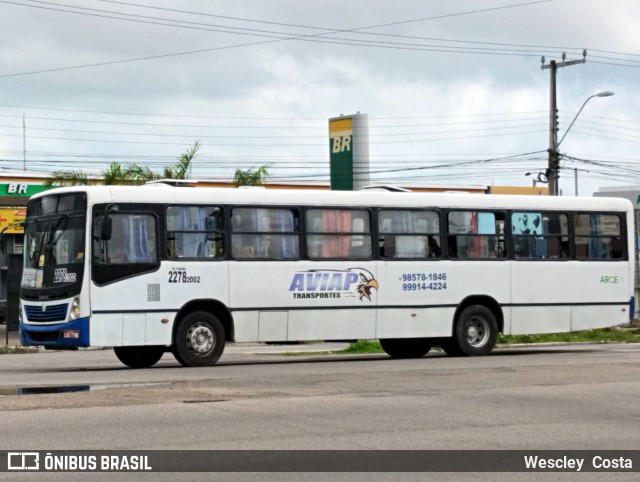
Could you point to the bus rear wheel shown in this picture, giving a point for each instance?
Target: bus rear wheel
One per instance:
(139, 356)
(475, 333)
(406, 347)
(199, 340)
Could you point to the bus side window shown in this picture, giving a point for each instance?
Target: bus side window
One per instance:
(409, 233)
(194, 232)
(540, 235)
(476, 234)
(598, 236)
(340, 233)
(265, 233)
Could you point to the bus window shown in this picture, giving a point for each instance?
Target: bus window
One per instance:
(265, 233)
(598, 236)
(133, 240)
(476, 234)
(194, 232)
(409, 234)
(338, 234)
(541, 235)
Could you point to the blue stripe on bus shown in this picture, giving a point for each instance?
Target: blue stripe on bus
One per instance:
(59, 334)
(377, 307)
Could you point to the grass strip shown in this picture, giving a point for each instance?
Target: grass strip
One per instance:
(629, 334)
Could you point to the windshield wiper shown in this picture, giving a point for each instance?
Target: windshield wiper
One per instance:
(57, 226)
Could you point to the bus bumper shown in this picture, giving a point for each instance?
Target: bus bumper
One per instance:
(69, 334)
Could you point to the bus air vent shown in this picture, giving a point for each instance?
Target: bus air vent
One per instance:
(153, 292)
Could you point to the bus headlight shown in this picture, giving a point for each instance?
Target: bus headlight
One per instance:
(20, 312)
(75, 309)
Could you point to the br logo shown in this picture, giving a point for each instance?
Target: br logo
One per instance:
(340, 144)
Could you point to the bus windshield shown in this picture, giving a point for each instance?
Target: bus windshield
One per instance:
(54, 250)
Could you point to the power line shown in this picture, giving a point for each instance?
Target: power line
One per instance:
(322, 136)
(324, 119)
(261, 127)
(295, 37)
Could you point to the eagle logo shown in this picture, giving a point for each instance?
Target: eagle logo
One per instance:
(365, 284)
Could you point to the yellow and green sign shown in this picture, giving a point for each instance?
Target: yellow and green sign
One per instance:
(341, 153)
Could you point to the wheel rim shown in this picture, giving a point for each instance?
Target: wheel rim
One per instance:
(477, 329)
(201, 339)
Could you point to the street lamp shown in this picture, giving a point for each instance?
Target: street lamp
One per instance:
(540, 178)
(605, 93)
(554, 155)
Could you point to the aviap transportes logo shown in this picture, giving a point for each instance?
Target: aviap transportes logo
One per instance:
(337, 283)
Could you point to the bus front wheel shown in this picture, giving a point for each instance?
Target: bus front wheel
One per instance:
(475, 333)
(139, 356)
(199, 340)
(406, 347)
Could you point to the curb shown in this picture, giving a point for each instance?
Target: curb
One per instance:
(19, 349)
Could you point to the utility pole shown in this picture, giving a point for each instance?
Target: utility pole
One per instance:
(24, 145)
(554, 155)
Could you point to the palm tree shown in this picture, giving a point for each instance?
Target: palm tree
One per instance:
(68, 178)
(137, 174)
(182, 168)
(255, 176)
(116, 173)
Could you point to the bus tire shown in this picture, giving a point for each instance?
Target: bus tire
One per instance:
(199, 340)
(406, 347)
(139, 356)
(476, 331)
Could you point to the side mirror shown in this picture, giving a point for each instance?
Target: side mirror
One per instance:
(107, 227)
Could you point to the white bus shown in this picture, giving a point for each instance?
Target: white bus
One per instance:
(157, 268)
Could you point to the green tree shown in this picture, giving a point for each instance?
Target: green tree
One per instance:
(68, 178)
(133, 173)
(255, 176)
(182, 168)
(115, 174)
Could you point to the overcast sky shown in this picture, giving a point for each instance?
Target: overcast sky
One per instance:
(453, 83)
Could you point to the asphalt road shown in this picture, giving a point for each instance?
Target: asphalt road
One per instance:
(549, 397)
